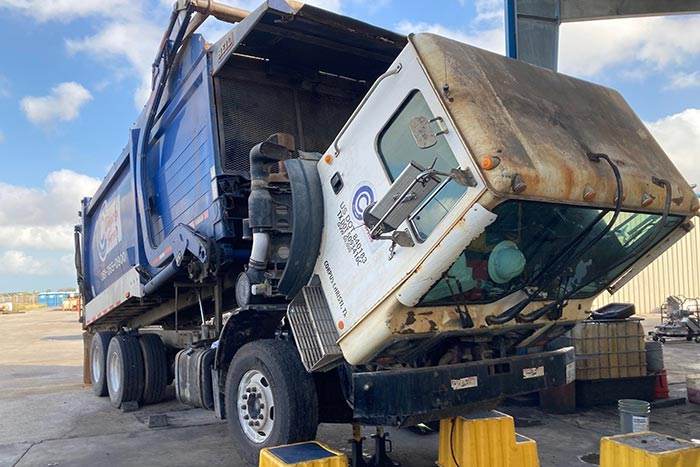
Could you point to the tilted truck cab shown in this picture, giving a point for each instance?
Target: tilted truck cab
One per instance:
(319, 220)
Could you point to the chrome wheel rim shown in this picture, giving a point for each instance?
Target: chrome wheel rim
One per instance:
(256, 406)
(114, 372)
(96, 367)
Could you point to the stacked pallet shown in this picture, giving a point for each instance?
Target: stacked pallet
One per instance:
(609, 349)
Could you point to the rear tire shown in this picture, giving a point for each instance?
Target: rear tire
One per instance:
(124, 370)
(268, 384)
(98, 362)
(155, 366)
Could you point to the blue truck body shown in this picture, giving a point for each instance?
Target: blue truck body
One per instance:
(181, 183)
(179, 170)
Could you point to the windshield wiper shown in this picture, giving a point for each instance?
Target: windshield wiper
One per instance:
(465, 318)
(647, 242)
(516, 310)
(555, 308)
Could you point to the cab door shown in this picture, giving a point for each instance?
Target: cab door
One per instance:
(356, 271)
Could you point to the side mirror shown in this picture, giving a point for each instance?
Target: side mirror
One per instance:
(409, 190)
(413, 186)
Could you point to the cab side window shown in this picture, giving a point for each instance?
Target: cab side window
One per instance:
(398, 148)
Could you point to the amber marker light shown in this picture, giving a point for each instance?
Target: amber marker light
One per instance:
(589, 194)
(490, 162)
(328, 159)
(647, 200)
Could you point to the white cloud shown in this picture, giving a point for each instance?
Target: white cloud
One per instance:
(66, 10)
(134, 42)
(486, 30)
(127, 33)
(13, 262)
(682, 80)
(332, 5)
(62, 104)
(128, 40)
(679, 135)
(42, 218)
(587, 48)
(53, 237)
(490, 39)
(489, 10)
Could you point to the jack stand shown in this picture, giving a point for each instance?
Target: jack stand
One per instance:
(358, 459)
(380, 458)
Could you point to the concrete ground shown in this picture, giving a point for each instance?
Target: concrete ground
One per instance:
(48, 418)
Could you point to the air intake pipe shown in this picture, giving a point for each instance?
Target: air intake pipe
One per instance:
(276, 148)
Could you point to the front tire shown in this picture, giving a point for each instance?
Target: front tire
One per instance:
(270, 398)
(98, 362)
(125, 375)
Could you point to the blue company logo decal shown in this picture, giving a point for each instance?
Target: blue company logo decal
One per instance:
(108, 227)
(363, 197)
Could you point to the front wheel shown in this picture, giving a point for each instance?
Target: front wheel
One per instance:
(270, 398)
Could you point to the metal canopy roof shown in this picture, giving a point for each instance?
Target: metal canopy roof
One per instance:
(309, 38)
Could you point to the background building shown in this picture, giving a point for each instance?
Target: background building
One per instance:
(676, 272)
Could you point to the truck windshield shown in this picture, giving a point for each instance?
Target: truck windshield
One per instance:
(515, 251)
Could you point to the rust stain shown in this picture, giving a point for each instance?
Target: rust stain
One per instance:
(410, 318)
(546, 123)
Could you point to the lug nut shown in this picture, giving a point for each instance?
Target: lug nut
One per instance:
(262, 406)
(243, 407)
(261, 416)
(246, 417)
(248, 390)
(250, 423)
(260, 395)
(245, 397)
(254, 390)
(257, 423)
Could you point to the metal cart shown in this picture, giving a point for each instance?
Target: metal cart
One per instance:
(680, 317)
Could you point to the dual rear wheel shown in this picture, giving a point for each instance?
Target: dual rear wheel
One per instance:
(128, 368)
(270, 398)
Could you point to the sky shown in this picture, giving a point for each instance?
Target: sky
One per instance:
(74, 75)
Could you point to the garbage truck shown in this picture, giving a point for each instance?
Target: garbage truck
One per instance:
(318, 220)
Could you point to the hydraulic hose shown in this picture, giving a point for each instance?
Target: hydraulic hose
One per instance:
(516, 310)
(537, 314)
